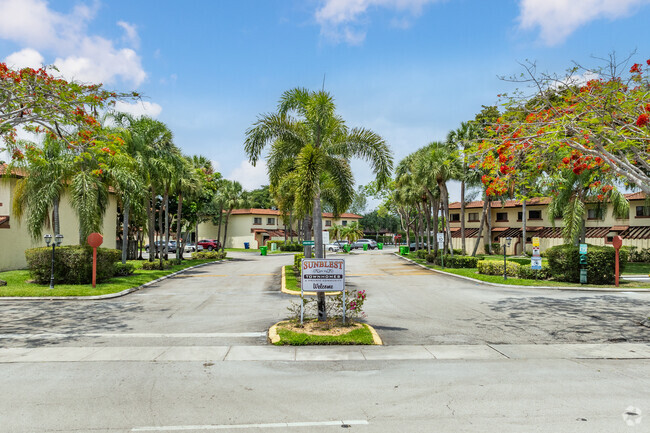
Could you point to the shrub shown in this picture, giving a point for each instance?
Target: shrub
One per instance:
(73, 264)
(210, 255)
(495, 267)
(637, 255)
(421, 254)
(291, 247)
(296, 261)
(431, 258)
(124, 269)
(526, 272)
(563, 262)
(457, 261)
(156, 265)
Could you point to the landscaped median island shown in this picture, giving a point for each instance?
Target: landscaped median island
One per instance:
(312, 332)
(20, 283)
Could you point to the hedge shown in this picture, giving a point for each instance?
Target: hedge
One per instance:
(123, 269)
(453, 261)
(156, 265)
(495, 267)
(285, 246)
(73, 264)
(528, 273)
(210, 255)
(563, 262)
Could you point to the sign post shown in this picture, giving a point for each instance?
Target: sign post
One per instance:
(583, 263)
(441, 246)
(618, 243)
(322, 275)
(536, 259)
(95, 240)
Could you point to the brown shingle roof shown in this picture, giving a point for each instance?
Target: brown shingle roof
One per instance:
(497, 204)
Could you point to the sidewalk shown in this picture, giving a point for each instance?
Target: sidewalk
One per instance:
(326, 353)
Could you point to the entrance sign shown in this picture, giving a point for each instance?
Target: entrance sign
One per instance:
(322, 275)
(307, 243)
(583, 248)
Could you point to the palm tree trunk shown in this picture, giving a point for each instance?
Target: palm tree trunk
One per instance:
(428, 218)
(180, 245)
(523, 227)
(125, 229)
(225, 232)
(56, 225)
(462, 215)
(219, 229)
(480, 228)
(318, 245)
(196, 233)
(291, 226)
(167, 224)
(445, 209)
(151, 213)
(161, 230)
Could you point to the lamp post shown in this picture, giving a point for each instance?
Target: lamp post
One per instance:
(57, 242)
(505, 246)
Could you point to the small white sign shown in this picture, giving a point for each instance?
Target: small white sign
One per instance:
(326, 238)
(323, 275)
(441, 237)
(441, 245)
(583, 248)
(536, 263)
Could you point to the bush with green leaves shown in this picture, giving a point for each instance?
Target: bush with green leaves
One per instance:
(563, 263)
(354, 302)
(156, 265)
(421, 254)
(495, 267)
(291, 247)
(456, 261)
(124, 269)
(638, 255)
(210, 255)
(521, 260)
(528, 273)
(73, 264)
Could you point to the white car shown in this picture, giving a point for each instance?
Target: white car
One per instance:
(333, 248)
(192, 247)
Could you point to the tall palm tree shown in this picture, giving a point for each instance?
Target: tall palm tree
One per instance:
(336, 231)
(39, 193)
(320, 143)
(352, 232)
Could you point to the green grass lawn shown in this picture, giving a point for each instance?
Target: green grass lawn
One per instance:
(17, 284)
(291, 281)
(243, 250)
(357, 336)
(637, 268)
(473, 273)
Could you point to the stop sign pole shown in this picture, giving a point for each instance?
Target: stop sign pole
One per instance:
(617, 242)
(95, 240)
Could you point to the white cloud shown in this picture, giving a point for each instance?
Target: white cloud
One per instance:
(79, 55)
(250, 177)
(557, 19)
(130, 33)
(140, 108)
(338, 18)
(26, 58)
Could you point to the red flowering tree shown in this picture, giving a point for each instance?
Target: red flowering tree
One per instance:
(596, 122)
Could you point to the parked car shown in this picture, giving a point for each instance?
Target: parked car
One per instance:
(171, 246)
(209, 244)
(361, 242)
(190, 248)
(340, 243)
(333, 248)
(423, 246)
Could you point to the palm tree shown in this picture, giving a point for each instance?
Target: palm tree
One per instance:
(39, 192)
(336, 231)
(569, 203)
(320, 145)
(352, 232)
(233, 198)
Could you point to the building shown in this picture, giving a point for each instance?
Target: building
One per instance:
(258, 226)
(15, 239)
(506, 221)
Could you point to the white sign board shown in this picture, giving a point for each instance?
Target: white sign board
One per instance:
(536, 263)
(583, 248)
(323, 275)
(326, 237)
(441, 237)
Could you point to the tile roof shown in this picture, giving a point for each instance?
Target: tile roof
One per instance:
(4, 219)
(497, 204)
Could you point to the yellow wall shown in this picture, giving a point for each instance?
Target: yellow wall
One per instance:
(16, 239)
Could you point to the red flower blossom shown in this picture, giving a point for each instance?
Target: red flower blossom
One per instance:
(566, 160)
(642, 119)
(635, 68)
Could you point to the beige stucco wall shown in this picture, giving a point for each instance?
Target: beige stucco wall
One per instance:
(16, 239)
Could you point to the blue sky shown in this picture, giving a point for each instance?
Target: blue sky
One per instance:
(411, 70)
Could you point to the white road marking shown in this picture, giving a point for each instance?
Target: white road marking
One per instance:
(249, 426)
(176, 335)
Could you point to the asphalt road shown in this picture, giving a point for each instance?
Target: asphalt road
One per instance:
(123, 385)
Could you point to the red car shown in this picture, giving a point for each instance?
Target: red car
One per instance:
(209, 244)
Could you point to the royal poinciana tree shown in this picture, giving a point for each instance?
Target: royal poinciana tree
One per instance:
(311, 141)
(590, 121)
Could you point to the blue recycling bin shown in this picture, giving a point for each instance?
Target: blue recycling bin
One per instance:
(247, 245)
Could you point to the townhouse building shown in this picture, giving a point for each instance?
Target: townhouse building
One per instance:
(506, 221)
(258, 226)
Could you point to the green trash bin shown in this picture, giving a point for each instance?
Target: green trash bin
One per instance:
(404, 250)
(263, 251)
(346, 247)
(380, 246)
(365, 247)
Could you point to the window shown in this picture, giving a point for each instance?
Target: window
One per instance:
(593, 214)
(328, 223)
(454, 217)
(270, 221)
(344, 223)
(535, 214)
(502, 216)
(519, 214)
(472, 217)
(642, 211)
(257, 221)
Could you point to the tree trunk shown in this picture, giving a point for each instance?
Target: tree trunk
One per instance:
(462, 216)
(428, 218)
(219, 229)
(56, 224)
(167, 224)
(291, 226)
(523, 227)
(125, 229)
(317, 215)
(151, 213)
(196, 234)
(445, 209)
(180, 245)
(480, 228)
(225, 232)
(489, 224)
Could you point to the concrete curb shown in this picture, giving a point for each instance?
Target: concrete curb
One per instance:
(283, 288)
(101, 297)
(512, 286)
(274, 337)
